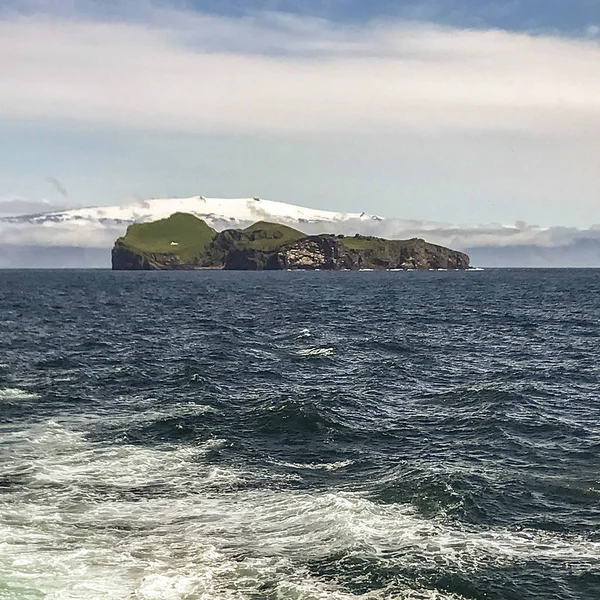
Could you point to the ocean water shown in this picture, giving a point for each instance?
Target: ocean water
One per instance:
(303, 435)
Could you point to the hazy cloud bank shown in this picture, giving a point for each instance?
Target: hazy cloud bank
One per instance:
(284, 73)
(488, 245)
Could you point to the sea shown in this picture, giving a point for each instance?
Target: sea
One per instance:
(216, 435)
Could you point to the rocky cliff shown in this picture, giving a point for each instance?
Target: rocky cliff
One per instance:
(185, 242)
(361, 252)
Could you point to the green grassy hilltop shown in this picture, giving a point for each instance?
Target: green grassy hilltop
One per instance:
(269, 236)
(185, 241)
(182, 234)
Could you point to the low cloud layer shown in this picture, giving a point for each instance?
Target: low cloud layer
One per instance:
(281, 73)
(488, 245)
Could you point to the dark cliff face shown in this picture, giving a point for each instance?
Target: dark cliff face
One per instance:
(265, 247)
(249, 259)
(125, 258)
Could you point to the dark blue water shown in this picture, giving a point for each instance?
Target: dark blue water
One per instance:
(422, 435)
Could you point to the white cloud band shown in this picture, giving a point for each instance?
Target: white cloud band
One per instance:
(287, 74)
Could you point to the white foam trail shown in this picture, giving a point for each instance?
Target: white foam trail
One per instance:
(334, 466)
(99, 521)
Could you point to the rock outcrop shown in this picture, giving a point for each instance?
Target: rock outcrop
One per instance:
(126, 258)
(361, 252)
(185, 242)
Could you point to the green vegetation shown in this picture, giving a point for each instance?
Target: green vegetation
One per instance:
(184, 239)
(268, 237)
(182, 234)
(363, 242)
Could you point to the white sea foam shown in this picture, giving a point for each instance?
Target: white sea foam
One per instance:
(84, 528)
(10, 395)
(333, 466)
(315, 352)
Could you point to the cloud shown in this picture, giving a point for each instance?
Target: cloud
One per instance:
(576, 253)
(520, 235)
(281, 73)
(74, 229)
(49, 234)
(77, 244)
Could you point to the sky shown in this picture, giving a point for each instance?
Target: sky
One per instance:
(457, 111)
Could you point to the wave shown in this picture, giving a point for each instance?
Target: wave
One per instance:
(326, 466)
(297, 418)
(16, 395)
(58, 362)
(177, 529)
(315, 352)
(448, 448)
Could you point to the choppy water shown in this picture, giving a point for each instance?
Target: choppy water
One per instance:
(273, 436)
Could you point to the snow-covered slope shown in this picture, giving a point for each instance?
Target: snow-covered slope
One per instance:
(217, 212)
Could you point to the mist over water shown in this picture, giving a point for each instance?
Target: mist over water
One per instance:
(296, 435)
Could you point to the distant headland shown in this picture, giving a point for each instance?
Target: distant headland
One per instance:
(183, 241)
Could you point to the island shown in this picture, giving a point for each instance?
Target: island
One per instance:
(183, 241)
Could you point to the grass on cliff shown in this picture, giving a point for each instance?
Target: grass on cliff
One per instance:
(183, 234)
(364, 242)
(267, 237)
